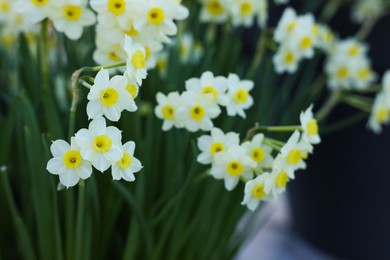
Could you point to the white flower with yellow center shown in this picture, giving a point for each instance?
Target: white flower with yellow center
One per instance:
(231, 165)
(279, 166)
(286, 25)
(310, 126)
(185, 47)
(167, 109)
(364, 10)
(197, 110)
(70, 16)
(302, 40)
(127, 165)
(362, 74)
(326, 39)
(99, 144)
(111, 11)
(68, 163)
(380, 113)
(238, 95)
(208, 84)
(294, 152)
(214, 11)
(34, 10)
(6, 10)
(256, 190)
(280, 178)
(109, 97)
(156, 17)
(259, 152)
(136, 60)
(133, 89)
(243, 12)
(107, 51)
(286, 59)
(214, 143)
(339, 73)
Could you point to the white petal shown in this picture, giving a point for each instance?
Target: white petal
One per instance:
(69, 178)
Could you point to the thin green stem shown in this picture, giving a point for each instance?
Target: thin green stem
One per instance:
(344, 123)
(80, 221)
(288, 128)
(357, 103)
(85, 84)
(261, 47)
(75, 99)
(367, 27)
(332, 101)
(375, 88)
(329, 10)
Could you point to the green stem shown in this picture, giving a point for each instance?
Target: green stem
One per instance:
(75, 99)
(261, 44)
(375, 88)
(357, 103)
(365, 30)
(80, 221)
(329, 104)
(289, 128)
(344, 123)
(329, 10)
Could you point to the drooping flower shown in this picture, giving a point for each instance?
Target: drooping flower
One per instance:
(310, 126)
(68, 163)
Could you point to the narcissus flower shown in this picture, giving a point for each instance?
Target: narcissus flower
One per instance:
(136, 60)
(259, 152)
(214, 143)
(231, 165)
(310, 126)
(34, 10)
(127, 165)
(258, 189)
(239, 98)
(380, 113)
(109, 97)
(99, 144)
(68, 163)
(167, 110)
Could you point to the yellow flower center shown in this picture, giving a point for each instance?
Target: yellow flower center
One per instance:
(353, 50)
(241, 95)
(211, 90)
(72, 12)
(132, 89)
(294, 156)
(257, 154)
(4, 7)
(113, 56)
(214, 8)
(246, 8)
(39, 2)
(364, 73)
(291, 25)
(197, 112)
(72, 159)
(234, 168)
(281, 180)
(109, 97)
(342, 73)
(258, 191)
(116, 7)
(156, 16)
(312, 127)
(382, 115)
(306, 42)
(138, 60)
(126, 161)
(132, 31)
(168, 112)
(102, 143)
(289, 57)
(216, 147)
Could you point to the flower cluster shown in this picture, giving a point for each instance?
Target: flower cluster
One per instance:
(195, 108)
(239, 13)
(253, 162)
(68, 16)
(148, 23)
(380, 112)
(348, 65)
(298, 36)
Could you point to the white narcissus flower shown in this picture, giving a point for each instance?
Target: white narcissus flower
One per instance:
(127, 165)
(310, 126)
(207, 83)
(34, 10)
(214, 143)
(214, 11)
(286, 59)
(239, 98)
(380, 113)
(70, 16)
(231, 165)
(68, 163)
(109, 97)
(136, 60)
(167, 108)
(197, 110)
(243, 12)
(258, 189)
(280, 179)
(259, 152)
(99, 144)
(111, 11)
(133, 89)
(286, 25)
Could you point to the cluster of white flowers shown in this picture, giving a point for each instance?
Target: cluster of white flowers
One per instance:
(364, 10)
(239, 13)
(148, 23)
(195, 108)
(99, 145)
(380, 112)
(252, 161)
(298, 36)
(68, 16)
(348, 65)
